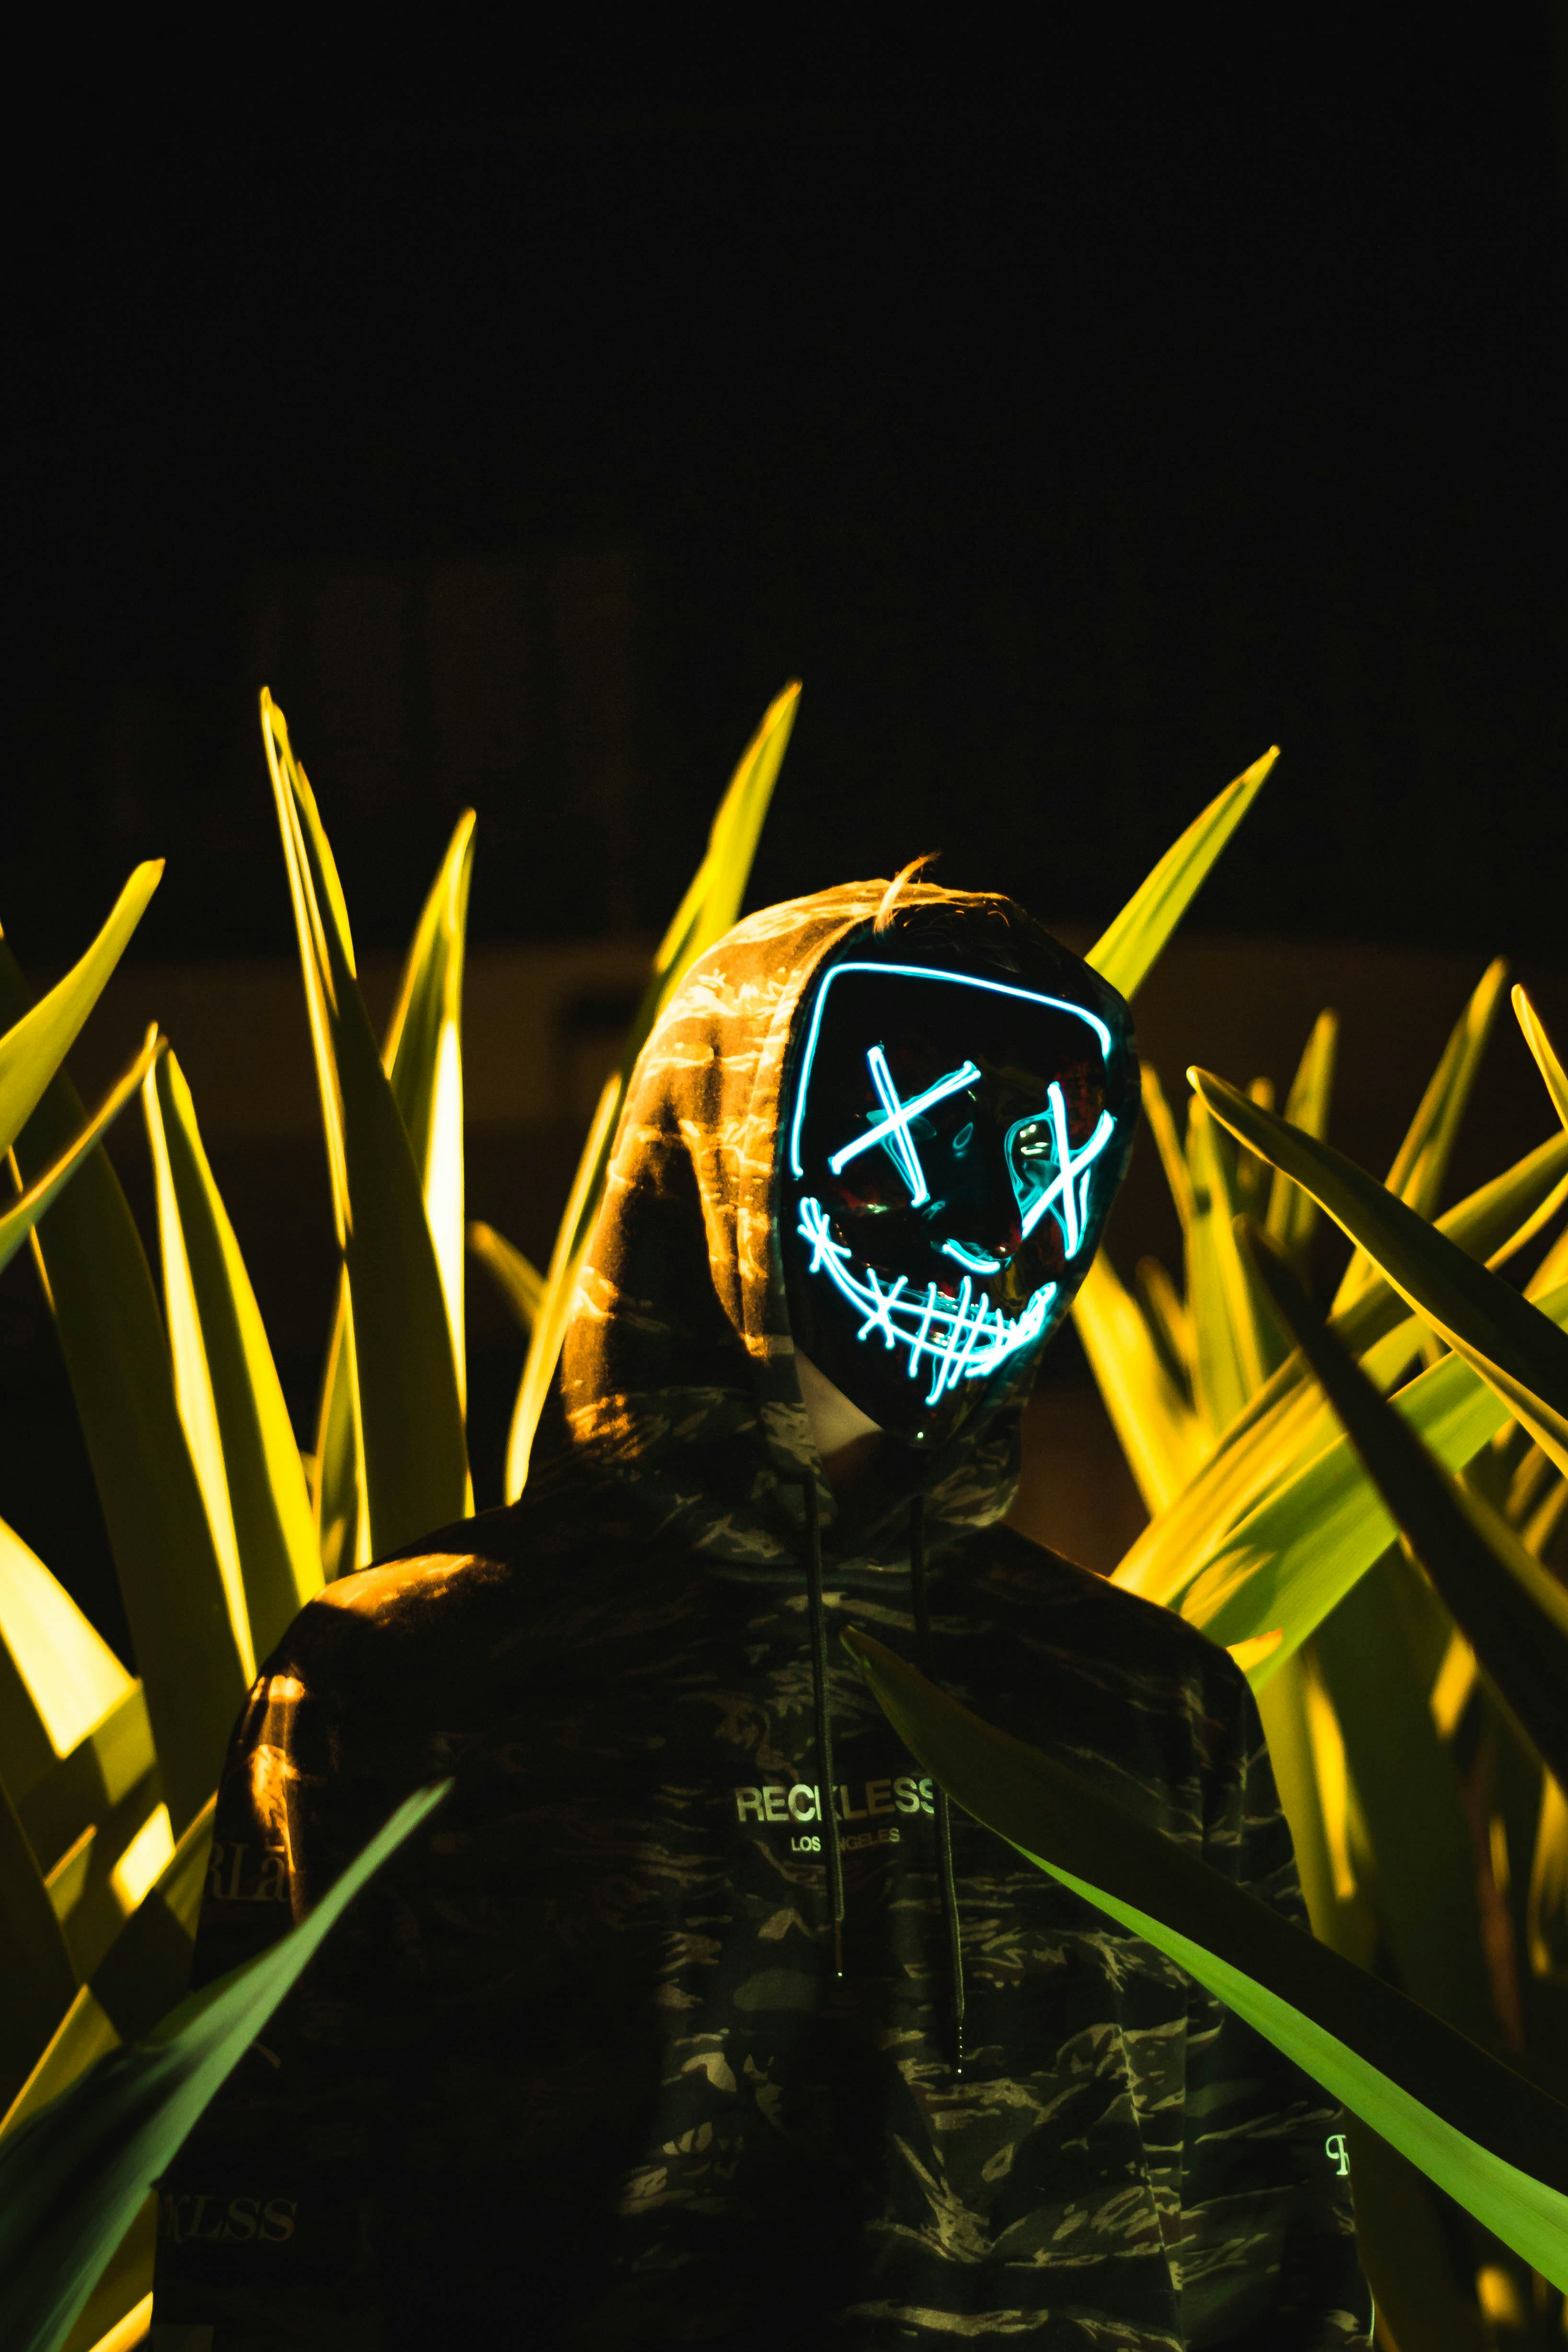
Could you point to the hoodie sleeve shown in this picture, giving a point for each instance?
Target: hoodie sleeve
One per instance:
(1267, 2246)
(267, 2221)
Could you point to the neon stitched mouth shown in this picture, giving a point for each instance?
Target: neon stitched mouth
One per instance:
(964, 1339)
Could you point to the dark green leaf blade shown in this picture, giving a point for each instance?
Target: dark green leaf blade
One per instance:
(1515, 1618)
(1491, 2140)
(72, 2177)
(410, 1412)
(1518, 1352)
(117, 1356)
(40, 1982)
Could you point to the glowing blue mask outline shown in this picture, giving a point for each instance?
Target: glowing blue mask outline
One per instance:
(976, 1260)
(1067, 1196)
(917, 971)
(953, 1333)
(894, 1130)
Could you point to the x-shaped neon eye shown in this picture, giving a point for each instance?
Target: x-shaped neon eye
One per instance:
(1065, 1194)
(893, 1131)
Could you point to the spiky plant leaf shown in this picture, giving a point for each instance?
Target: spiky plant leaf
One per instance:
(1128, 949)
(1293, 1214)
(1422, 1160)
(73, 2174)
(1513, 1614)
(516, 1278)
(117, 1356)
(143, 1976)
(1541, 1046)
(423, 1053)
(1270, 1442)
(231, 1402)
(1491, 2140)
(1161, 1435)
(409, 1410)
(1298, 1551)
(40, 1037)
(40, 1979)
(711, 906)
(17, 1221)
(1518, 1351)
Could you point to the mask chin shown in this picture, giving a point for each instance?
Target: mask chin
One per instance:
(919, 1363)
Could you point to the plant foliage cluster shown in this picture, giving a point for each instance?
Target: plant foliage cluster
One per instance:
(1363, 1509)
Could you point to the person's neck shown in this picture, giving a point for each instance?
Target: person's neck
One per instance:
(848, 1440)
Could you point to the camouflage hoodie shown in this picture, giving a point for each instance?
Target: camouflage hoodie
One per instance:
(576, 2070)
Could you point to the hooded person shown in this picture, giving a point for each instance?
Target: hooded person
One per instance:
(692, 2017)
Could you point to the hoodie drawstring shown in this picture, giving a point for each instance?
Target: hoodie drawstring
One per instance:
(943, 1814)
(825, 1804)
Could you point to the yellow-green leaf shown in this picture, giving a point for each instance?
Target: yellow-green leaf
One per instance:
(1162, 1438)
(424, 1060)
(1494, 2142)
(74, 2174)
(231, 1402)
(1293, 1214)
(144, 1973)
(117, 1356)
(1513, 1614)
(1518, 1351)
(40, 1979)
(1422, 1160)
(409, 1413)
(711, 904)
(516, 1278)
(1127, 951)
(36, 1043)
(1546, 1061)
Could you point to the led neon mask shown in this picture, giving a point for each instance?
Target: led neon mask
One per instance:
(954, 1139)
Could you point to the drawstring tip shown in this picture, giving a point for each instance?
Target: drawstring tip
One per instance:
(838, 1947)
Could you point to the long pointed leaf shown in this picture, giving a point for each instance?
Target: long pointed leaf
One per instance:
(117, 1356)
(40, 1979)
(39, 1040)
(17, 1221)
(1128, 949)
(1513, 1614)
(424, 1060)
(1292, 1213)
(231, 1399)
(517, 1278)
(1514, 1348)
(1422, 1160)
(1491, 2140)
(73, 2176)
(146, 1972)
(1160, 1435)
(1272, 1440)
(711, 906)
(1295, 1554)
(409, 1412)
(1541, 1046)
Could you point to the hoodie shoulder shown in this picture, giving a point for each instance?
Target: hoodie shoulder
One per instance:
(1074, 1607)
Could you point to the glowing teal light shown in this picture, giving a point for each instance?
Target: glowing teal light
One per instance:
(1068, 1193)
(962, 1339)
(976, 1260)
(894, 1130)
(916, 971)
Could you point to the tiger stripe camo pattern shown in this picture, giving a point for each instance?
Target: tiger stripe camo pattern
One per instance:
(574, 2071)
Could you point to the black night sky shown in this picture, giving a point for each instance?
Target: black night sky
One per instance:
(1074, 424)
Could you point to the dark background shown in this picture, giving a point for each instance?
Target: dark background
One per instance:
(1076, 420)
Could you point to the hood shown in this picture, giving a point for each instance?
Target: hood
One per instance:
(676, 1414)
